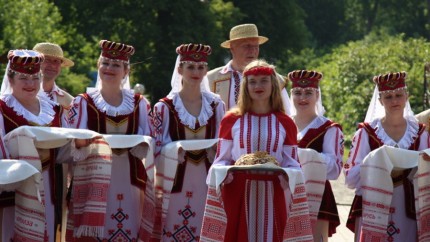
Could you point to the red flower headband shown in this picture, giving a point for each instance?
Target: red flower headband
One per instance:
(259, 71)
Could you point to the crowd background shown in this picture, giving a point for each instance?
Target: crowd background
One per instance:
(349, 41)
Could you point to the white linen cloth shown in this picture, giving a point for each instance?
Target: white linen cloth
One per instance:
(22, 143)
(315, 173)
(377, 189)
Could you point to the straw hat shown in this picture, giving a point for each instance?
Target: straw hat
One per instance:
(53, 50)
(244, 31)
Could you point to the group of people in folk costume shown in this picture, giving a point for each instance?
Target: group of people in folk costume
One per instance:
(110, 168)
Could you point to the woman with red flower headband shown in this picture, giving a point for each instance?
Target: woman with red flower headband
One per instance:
(257, 124)
(322, 135)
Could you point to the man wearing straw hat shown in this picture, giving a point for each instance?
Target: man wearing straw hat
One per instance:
(51, 69)
(244, 45)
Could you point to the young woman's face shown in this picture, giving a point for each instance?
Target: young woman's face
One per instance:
(304, 98)
(394, 101)
(112, 72)
(192, 73)
(259, 87)
(25, 86)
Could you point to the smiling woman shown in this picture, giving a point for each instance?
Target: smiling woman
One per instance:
(259, 91)
(258, 125)
(21, 104)
(189, 112)
(112, 108)
(322, 135)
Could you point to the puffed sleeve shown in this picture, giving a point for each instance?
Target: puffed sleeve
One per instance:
(225, 143)
(220, 112)
(333, 151)
(161, 126)
(359, 149)
(77, 116)
(424, 140)
(145, 118)
(290, 147)
(4, 154)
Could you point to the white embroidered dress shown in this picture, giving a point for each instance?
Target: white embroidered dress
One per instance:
(402, 227)
(332, 146)
(123, 214)
(253, 132)
(186, 207)
(45, 117)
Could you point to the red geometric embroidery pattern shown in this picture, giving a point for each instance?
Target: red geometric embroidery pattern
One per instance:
(236, 79)
(120, 233)
(183, 232)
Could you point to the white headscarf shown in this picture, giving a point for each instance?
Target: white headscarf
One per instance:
(176, 81)
(377, 111)
(6, 88)
(319, 108)
(5, 85)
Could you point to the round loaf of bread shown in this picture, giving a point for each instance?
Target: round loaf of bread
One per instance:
(259, 157)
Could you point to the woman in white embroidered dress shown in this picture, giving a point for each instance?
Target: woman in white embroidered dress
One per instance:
(321, 134)
(190, 111)
(258, 123)
(21, 103)
(113, 108)
(389, 121)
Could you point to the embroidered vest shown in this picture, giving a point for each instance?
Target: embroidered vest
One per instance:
(314, 138)
(177, 132)
(401, 178)
(97, 121)
(47, 157)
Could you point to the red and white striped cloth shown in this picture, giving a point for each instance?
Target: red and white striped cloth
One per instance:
(298, 225)
(30, 224)
(377, 189)
(166, 166)
(315, 174)
(422, 198)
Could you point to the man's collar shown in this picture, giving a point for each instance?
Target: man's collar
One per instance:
(227, 68)
(57, 90)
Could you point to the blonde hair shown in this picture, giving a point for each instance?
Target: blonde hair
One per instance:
(244, 101)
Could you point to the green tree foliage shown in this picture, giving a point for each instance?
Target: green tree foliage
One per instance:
(395, 16)
(324, 21)
(348, 71)
(283, 22)
(25, 23)
(155, 29)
